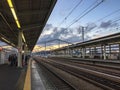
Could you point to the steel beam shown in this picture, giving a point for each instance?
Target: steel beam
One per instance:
(33, 12)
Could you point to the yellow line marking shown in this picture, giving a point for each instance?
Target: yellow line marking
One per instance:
(27, 85)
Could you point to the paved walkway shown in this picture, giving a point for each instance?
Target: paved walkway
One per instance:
(37, 83)
(9, 77)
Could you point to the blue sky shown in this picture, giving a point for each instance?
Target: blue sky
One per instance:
(95, 26)
(63, 7)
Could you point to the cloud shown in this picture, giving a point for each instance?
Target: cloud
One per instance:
(47, 29)
(74, 35)
(107, 24)
(48, 26)
(90, 26)
(87, 28)
(69, 35)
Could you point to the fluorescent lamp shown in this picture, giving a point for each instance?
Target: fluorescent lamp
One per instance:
(13, 12)
(10, 3)
(18, 24)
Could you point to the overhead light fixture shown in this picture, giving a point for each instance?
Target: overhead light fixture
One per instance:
(15, 16)
(13, 12)
(10, 3)
(18, 24)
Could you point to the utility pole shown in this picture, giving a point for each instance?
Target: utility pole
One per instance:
(83, 34)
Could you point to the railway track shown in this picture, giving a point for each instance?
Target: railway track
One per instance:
(73, 60)
(103, 69)
(97, 77)
(51, 81)
(85, 74)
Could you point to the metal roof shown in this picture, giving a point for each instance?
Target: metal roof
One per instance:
(32, 15)
(113, 38)
(110, 39)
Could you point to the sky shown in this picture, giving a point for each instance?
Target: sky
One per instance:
(69, 16)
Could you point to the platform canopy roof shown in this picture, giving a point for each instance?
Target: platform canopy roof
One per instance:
(30, 16)
(101, 41)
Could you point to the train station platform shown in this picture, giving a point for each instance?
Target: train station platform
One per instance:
(36, 83)
(26, 78)
(11, 77)
(40, 74)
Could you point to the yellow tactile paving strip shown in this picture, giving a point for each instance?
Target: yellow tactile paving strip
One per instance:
(27, 85)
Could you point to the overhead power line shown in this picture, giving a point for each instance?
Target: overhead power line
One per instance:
(116, 20)
(93, 4)
(113, 22)
(85, 10)
(86, 13)
(71, 12)
(112, 13)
